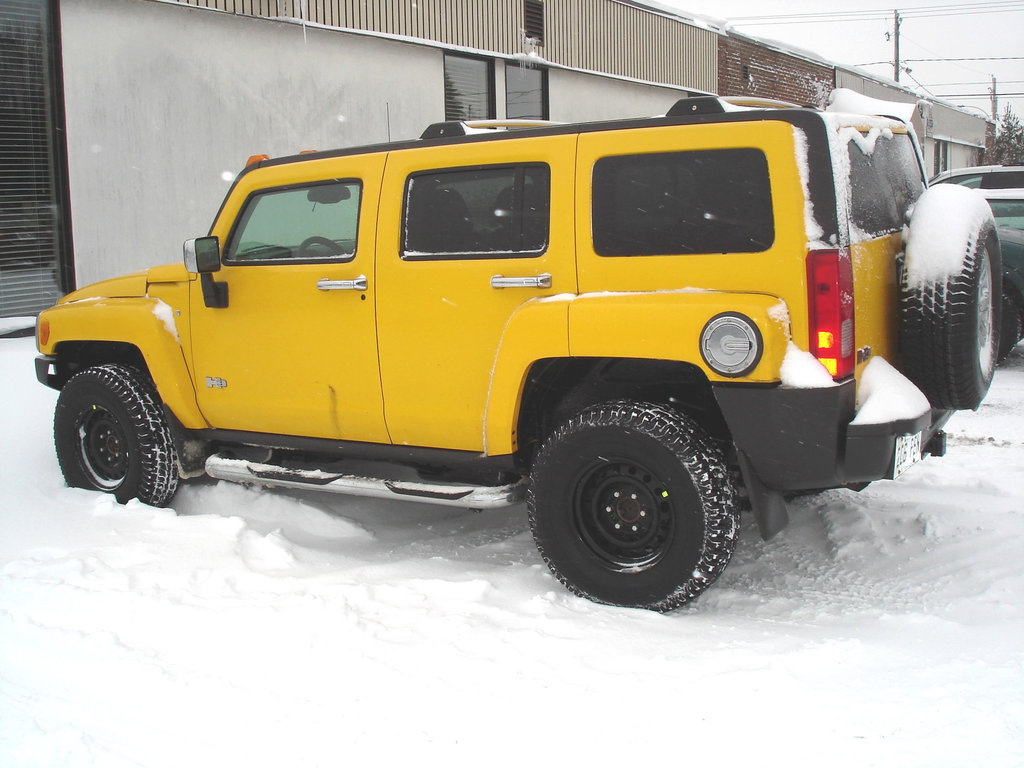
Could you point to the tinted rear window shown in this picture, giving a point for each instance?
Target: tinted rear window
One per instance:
(884, 183)
(477, 213)
(1003, 180)
(706, 201)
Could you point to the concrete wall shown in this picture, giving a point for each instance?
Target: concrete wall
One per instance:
(165, 103)
(578, 97)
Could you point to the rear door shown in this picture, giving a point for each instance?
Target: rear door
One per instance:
(885, 179)
(468, 234)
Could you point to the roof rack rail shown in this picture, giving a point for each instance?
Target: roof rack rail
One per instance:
(466, 127)
(759, 102)
(697, 105)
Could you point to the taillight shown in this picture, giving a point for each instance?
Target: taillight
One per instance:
(830, 309)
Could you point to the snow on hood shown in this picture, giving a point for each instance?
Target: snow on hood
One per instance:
(943, 225)
(845, 100)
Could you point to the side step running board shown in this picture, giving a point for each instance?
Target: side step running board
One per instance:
(451, 494)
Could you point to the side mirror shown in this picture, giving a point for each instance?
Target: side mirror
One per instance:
(202, 255)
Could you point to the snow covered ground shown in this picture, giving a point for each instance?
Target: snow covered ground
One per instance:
(266, 628)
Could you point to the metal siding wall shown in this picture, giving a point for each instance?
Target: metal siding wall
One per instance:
(620, 39)
(597, 35)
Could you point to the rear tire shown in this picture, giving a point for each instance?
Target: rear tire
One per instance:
(631, 504)
(949, 330)
(111, 435)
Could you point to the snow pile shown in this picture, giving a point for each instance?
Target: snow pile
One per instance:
(943, 226)
(267, 628)
(812, 228)
(165, 315)
(12, 325)
(884, 394)
(801, 370)
(851, 102)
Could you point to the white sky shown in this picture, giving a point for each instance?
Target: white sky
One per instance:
(968, 29)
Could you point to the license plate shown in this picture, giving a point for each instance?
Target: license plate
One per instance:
(908, 453)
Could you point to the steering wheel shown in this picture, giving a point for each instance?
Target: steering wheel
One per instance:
(316, 241)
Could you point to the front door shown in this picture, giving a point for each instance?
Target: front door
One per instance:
(294, 352)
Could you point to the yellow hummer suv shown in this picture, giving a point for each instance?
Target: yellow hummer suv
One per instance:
(639, 327)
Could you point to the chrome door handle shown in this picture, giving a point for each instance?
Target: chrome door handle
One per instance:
(358, 284)
(535, 281)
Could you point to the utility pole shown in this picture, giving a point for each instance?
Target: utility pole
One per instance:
(896, 46)
(995, 101)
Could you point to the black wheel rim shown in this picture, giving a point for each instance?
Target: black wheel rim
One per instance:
(623, 513)
(104, 447)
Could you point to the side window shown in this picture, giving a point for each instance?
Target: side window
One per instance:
(702, 201)
(884, 182)
(974, 182)
(306, 223)
(477, 213)
(1008, 213)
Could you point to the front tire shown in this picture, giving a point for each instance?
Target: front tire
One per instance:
(111, 435)
(631, 504)
(1011, 329)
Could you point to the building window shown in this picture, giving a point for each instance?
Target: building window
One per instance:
(702, 201)
(941, 155)
(526, 92)
(35, 234)
(533, 20)
(468, 88)
(489, 212)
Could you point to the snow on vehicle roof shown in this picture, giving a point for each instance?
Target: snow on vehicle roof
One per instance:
(845, 100)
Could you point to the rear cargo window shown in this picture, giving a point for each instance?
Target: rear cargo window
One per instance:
(702, 201)
(1003, 180)
(885, 180)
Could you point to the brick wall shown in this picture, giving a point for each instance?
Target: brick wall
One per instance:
(748, 69)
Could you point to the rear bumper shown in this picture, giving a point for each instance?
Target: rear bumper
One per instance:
(802, 439)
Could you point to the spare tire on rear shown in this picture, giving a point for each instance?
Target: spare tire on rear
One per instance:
(949, 297)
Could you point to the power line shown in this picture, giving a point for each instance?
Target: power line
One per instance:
(963, 9)
(974, 58)
(968, 8)
(977, 58)
(976, 82)
(1001, 94)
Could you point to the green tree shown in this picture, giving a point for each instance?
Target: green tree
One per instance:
(1009, 145)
